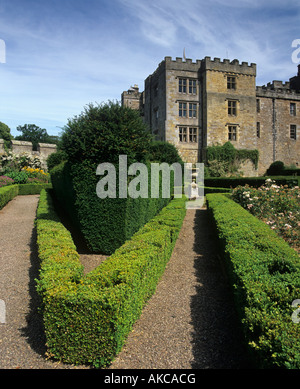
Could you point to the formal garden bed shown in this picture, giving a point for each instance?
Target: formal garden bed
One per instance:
(264, 270)
(87, 318)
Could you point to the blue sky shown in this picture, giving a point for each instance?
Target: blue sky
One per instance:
(61, 55)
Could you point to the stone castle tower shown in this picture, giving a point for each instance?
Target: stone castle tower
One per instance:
(198, 104)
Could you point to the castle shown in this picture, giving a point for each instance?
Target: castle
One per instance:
(194, 105)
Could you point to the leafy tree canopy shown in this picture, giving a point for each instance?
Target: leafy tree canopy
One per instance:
(5, 133)
(34, 134)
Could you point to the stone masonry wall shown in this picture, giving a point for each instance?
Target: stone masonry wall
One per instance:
(267, 129)
(218, 95)
(275, 119)
(21, 147)
(175, 70)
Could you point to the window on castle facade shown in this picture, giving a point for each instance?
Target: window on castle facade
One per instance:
(192, 110)
(293, 109)
(293, 131)
(231, 82)
(182, 85)
(188, 134)
(183, 109)
(193, 135)
(232, 133)
(192, 87)
(232, 108)
(257, 105)
(183, 134)
(258, 129)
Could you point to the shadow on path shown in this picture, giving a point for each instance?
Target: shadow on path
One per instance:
(34, 331)
(217, 337)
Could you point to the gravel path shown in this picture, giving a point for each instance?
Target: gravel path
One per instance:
(189, 323)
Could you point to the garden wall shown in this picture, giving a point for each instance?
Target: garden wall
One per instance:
(21, 147)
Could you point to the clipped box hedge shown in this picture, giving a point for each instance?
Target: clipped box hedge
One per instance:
(256, 182)
(105, 224)
(87, 318)
(7, 193)
(265, 273)
(32, 189)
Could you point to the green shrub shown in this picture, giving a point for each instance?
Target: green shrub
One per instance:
(103, 132)
(224, 160)
(55, 159)
(100, 135)
(87, 319)
(32, 189)
(7, 193)
(275, 169)
(255, 182)
(216, 190)
(19, 177)
(265, 274)
(164, 152)
(278, 168)
(104, 223)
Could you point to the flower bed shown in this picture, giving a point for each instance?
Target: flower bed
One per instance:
(278, 206)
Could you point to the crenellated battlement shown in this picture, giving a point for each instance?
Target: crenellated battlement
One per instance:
(277, 89)
(226, 65)
(228, 62)
(207, 63)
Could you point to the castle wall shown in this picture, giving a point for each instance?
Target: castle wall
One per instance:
(178, 72)
(225, 95)
(276, 118)
(155, 102)
(218, 96)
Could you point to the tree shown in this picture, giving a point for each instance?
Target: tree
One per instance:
(34, 134)
(5, 134)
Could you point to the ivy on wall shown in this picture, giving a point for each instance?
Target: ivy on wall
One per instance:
(222, 160)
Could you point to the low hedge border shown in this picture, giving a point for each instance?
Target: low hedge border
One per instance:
(256, 182)
(32, 189)
(8, 193)
(87, 318)
(265, 274)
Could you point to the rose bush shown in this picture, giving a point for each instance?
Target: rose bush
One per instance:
(277, 206)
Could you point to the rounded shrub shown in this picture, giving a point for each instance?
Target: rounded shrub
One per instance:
(161, 151)
(104, 131)
(276, 168)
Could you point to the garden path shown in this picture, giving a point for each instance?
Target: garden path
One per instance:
(189, 323)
